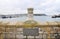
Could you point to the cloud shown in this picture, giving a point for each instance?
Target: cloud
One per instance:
(20, 6)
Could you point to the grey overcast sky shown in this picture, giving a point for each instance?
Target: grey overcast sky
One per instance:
(49, 7)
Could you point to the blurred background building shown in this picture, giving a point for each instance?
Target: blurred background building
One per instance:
(29, 26)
